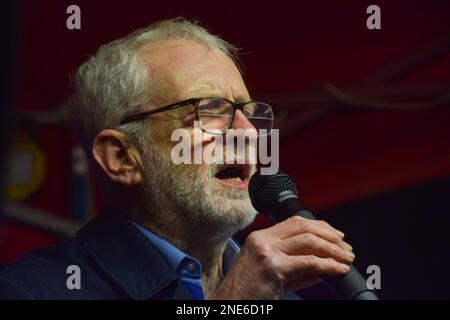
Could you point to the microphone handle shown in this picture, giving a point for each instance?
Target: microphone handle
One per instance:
(352, 285)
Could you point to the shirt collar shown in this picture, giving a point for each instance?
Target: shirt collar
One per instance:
(172, 254)
(177, 258)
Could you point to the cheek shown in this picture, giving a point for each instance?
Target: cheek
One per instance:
(203, 168)
(162, 132)
(203, 171)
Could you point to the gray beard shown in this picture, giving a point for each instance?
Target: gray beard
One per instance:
(182, 199)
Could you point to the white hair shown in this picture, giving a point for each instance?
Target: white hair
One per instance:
(114, 82)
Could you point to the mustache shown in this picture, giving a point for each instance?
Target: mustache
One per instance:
(236, 155)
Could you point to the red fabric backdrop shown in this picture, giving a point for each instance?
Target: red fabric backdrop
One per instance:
(288, 47)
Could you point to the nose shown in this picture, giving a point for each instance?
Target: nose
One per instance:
(240, 121)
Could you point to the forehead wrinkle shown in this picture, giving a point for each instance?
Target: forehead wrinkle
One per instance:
(208, 87)
(185, 71)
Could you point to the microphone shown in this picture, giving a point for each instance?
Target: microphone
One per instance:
(276, 195)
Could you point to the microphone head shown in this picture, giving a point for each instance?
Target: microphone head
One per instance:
(266, 190)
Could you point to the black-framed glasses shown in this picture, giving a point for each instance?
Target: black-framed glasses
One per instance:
(216, 115)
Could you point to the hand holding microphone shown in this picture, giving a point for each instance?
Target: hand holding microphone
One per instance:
(291, 255)
(277, 196)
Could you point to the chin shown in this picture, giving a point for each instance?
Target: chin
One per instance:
(238, 213)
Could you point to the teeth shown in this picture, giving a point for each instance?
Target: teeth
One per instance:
(237, 179)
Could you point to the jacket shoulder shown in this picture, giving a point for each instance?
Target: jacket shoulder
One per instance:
(42, 273)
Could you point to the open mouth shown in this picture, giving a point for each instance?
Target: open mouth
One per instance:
(234, 175)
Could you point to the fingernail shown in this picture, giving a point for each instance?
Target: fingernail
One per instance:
(346, 267)
(351, 255)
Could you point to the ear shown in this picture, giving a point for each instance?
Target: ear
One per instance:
(118, 158)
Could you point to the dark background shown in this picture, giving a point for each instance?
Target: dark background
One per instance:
(373, 159)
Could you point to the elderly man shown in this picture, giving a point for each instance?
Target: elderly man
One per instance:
(166, 232)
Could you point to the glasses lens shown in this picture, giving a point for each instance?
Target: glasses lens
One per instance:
(260, 116)
(215, 115)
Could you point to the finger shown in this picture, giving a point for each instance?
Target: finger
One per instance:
(293, 224)
(297, 225)
(313, 265)
(326, 224)
(311, 244)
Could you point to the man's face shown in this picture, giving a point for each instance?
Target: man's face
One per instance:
(183, 71)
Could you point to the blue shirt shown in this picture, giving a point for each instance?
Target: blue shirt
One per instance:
(188, 269)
